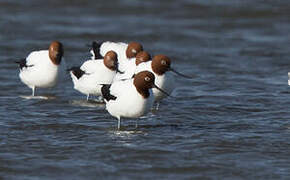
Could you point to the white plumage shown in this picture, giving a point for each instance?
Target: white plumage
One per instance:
(118, 47)
(95, 74)
(129, 102)
(42, 69)
(128, 70)
(130, 98)
(130, 66)
(126, 53)
(39, 71)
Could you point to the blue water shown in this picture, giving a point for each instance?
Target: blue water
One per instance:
(231, 121)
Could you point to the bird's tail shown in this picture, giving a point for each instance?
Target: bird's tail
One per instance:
(106, 92)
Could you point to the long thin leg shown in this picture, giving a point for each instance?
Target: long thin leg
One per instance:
(88, 97)
(33, 90)
(289, 78)
(100, 99)
(157, 105)
(136, 125)
(119, 123)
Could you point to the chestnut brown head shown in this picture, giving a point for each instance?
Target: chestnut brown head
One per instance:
(55, 52)
(111, 60)
(160, 64)
(142, 56)
(144, 81)
(133, 49)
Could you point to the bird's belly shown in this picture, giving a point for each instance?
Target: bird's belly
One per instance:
(129, 108)
(39, 79)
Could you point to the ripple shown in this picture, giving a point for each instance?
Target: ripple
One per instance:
(230, 121)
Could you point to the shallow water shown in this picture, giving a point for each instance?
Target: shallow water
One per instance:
(231, 121)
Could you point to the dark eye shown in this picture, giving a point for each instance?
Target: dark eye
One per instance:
(163, 62)
(147, 79)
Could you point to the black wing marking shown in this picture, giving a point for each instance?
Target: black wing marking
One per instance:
(22, 63)
(96, 48)
(106, 92)
(124, 79)
(77, 71)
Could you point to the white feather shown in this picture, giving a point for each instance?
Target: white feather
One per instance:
(96, 74)
(41, 72)
(129, 102)
(128, 70)
(120, 48)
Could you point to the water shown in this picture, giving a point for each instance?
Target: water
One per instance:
(231, 121)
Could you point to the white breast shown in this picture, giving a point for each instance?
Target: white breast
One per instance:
(96, 74)
(166, 83)
(129, 102)
(42, 73)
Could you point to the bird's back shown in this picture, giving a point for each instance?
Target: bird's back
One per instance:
(98, 72)
(145, 66)
(118, 47)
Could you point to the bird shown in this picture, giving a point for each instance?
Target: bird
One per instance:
(126, 52)
(88, 77)
(160, 66)
(141, 57)
(41, 69)
(131, 98)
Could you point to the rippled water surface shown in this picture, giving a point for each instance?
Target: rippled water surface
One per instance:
(232, 121)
